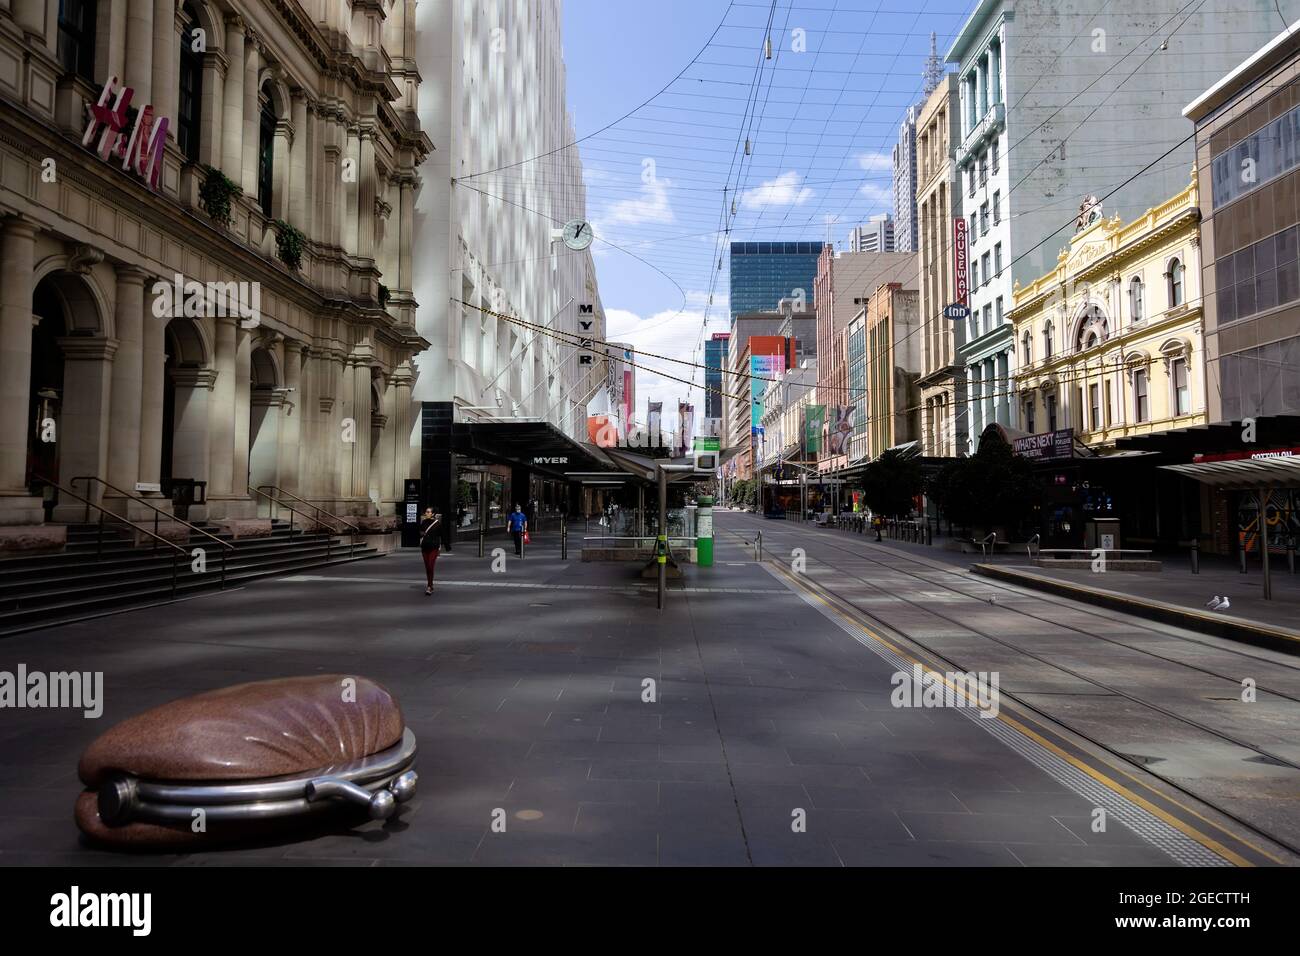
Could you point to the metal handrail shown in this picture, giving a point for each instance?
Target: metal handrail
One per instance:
(329, 539)
(990, 539)
(105, 513)
(157, 511)
(310, 504)
(1029, 545)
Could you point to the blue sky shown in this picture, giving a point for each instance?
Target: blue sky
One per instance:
(821, 120)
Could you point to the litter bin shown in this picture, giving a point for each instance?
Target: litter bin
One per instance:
(184, 492)
(1102, 533)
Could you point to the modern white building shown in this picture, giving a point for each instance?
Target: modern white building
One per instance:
(905, 184)
(506, 305)
(1052, 118)
(877, 235)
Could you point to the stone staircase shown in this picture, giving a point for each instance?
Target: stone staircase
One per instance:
(86, 580)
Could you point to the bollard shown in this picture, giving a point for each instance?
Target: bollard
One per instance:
(1243, 557)
(1290, 554)
(564, 538)
(481, 535)
(1196, 556)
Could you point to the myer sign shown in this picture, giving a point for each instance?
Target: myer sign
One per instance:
(550, 459)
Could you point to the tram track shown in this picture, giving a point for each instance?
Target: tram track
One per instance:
(943, 655)
(1128, 622)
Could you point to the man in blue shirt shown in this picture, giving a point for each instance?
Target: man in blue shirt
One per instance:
(517, 522)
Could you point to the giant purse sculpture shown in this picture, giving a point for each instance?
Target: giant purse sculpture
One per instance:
(246, 761)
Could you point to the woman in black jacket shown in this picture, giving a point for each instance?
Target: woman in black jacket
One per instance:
(430, 541)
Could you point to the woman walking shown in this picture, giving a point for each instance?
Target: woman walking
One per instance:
(430, 531)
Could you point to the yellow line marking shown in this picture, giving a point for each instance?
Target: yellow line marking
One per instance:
(1204, 840)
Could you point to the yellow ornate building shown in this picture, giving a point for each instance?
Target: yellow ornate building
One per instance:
(1110, 342)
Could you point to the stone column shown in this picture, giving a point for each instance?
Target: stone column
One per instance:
(16, 271)
(362, 384)
(333, 409)
(407, 234)
(232, 136)
(299, 196)
(139, 49)
(291, 414)
(222, 430)
(366, 187)
(382, 459)
(242, 411)
(326, 230)
(39, 18)
(351, 191)
(191, 430)
(400, 425)
(83, 424)
(252, 114)
(165, 47)
(124, 444)
(213, 104)
(152, 383)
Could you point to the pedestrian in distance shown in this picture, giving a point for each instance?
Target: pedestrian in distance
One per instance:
(430, 542)
(877, 524)
(517, 522)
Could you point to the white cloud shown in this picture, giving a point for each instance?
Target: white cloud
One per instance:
(877, 195)
(674, 335)
(876, 162)
(785, 190)
(653, 205)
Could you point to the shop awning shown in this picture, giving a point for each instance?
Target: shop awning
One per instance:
(1245, 474)
(1263, 432)
(1261, 472)
(536, 444)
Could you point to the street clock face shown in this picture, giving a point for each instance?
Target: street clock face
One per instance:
(577, 234)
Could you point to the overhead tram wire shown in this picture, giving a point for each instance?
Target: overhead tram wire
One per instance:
(1021, 255)
(1086, 375)
(646, 102)
(737, 155)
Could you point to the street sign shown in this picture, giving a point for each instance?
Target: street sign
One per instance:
(956, 312)
(959, 259)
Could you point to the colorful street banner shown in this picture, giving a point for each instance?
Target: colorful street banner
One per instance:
(814, 419)
(842, 429)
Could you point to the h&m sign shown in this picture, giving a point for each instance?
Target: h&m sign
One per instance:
(142, 151)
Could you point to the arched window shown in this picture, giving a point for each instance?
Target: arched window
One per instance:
(1047, 339)
(77, 37)
(265, 151)
(1027, 347)
(1093, 329)
(1136, 305)
(189, 105)
(1175, 284)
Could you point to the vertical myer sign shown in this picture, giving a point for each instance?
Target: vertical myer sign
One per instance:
(961, 281)
(585, 342)
(141, 152)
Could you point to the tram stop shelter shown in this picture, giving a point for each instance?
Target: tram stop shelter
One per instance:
(1260, 473)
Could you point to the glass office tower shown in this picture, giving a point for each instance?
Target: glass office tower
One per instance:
(715, 360)
(764, 273)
